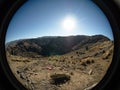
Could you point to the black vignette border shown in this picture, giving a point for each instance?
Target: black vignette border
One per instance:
(114, 82)
(7, 9)
(111, 9)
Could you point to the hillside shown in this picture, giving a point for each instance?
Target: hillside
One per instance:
(79, 64)
(47, 46)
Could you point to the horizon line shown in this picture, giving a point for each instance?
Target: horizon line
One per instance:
(56, 36)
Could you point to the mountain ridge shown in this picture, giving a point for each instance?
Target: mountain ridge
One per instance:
(52, 45)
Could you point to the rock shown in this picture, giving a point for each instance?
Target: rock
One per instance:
(90, 72)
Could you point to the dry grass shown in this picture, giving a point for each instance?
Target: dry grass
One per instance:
(85, 67)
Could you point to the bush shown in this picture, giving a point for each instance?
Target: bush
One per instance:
(103, 51)
(92, 61)
(86, 48)
(83, 64)
(88, 62)
(58, 79)
(71, 56)
(71, 73)
(77, 52)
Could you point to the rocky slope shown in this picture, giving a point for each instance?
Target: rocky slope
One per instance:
(82, 64)
(47, 46)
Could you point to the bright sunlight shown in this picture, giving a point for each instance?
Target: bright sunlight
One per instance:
(69, 23)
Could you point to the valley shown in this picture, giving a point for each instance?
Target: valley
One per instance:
(83, 62)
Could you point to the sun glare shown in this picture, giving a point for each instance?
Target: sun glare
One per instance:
(69, 23)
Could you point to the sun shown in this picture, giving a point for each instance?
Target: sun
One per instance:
(69, 23)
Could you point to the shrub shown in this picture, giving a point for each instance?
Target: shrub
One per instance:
(88, 62)
(71, 73)
(86, 48)
(58, 79)
(83, 64)
(71, 56)
(103, 51)
(77, 52)
(92, 61)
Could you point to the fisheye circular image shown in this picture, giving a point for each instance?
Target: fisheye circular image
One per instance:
(59, 45)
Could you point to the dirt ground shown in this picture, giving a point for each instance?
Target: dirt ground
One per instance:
(85, 67)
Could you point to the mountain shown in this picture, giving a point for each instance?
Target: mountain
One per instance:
(51, 45)
(60, 63)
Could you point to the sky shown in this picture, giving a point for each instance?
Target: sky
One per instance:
(38, 18)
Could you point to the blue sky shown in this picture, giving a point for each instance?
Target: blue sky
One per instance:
(37, 18)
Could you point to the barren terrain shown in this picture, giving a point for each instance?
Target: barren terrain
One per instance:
(85, 67)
